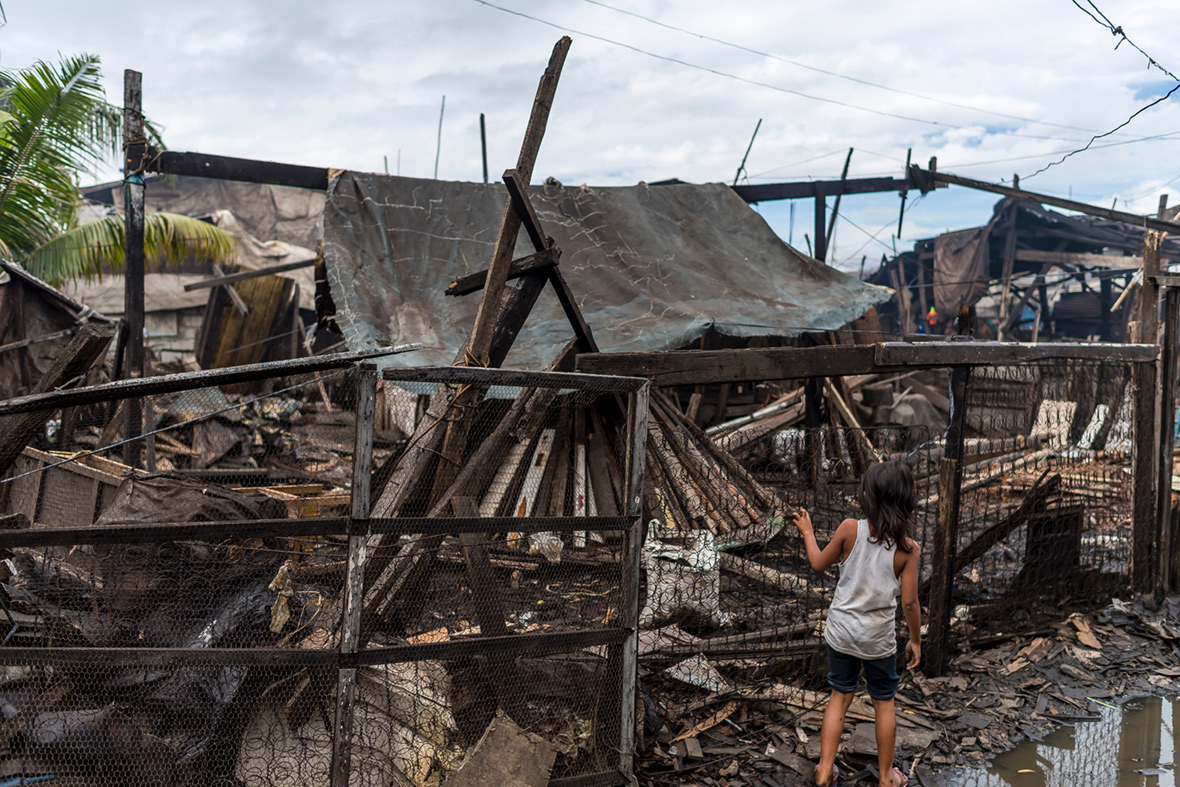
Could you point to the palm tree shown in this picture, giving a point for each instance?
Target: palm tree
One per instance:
(55, 122)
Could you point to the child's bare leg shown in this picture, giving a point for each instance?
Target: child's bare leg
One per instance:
(886, 728)
(829, 735)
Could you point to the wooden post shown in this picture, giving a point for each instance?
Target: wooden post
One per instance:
(950, 485)
(134, 147)
(483, 146)
(633, 504)
(1167, 442)
(1006, 276)
(1145, 474)
(350, 619)
(489, 304)
(821, 242)
(1106, 298)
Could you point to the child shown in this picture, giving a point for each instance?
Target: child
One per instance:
(878, 560)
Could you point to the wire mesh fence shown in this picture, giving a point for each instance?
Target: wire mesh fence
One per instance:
(237, 617)
(1046, 492)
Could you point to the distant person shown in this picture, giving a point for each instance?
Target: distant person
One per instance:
(879, 560)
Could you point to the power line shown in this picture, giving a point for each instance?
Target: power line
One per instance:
(1151, 62)
(756, 83)
(835, 74)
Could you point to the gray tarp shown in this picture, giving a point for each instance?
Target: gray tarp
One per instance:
(653, 268)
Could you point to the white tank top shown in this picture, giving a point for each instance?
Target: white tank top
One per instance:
(863, 615)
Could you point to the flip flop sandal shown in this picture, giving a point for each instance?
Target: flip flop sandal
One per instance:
(835, 775)
(904, 779)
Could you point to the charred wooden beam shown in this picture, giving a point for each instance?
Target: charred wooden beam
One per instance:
(518, 192)
(534, 263)
(232, 278)
(185, 381)
(765, 192)
(927, 179)
(203, 165)
(699, 367)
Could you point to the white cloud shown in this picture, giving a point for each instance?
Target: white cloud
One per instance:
(344, 84)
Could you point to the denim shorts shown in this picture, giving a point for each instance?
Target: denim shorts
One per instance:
(880, 674)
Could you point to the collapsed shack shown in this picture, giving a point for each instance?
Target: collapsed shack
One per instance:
(38, 323)
(1030, 272)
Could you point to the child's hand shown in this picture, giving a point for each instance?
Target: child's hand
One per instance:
(913, 654)
(803, 521)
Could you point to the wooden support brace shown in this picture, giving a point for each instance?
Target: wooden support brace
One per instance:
(532, 264)
(518, 191)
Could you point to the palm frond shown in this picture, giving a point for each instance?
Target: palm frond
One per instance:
(44, 143)
(86, 251)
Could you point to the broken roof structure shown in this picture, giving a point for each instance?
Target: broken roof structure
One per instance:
(1071, 268)
(36, 322)
(652, 268)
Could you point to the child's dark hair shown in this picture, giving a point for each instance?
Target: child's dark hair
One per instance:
(887, 499)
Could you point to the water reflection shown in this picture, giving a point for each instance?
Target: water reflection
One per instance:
(1133, 747)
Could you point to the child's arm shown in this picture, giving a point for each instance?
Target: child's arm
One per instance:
(910, 605)
(822, 560)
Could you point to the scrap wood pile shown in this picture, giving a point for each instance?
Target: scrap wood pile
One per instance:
(1002, 688)
(863, 419)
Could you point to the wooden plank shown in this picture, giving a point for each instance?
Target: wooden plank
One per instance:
(893, 355)
(170, 657)
(1170, 353)
(942, 576)
(185, 381)
(518, 305)
(693, 367)
(927, 178)
(172, 531)
(766, 192)
(573, 313)
(518, 192)
(635, 465)
(201, 165)
(534, 263)
(134, 145)
(1058, 258)
(510, 377)
(489, 305)
(501, 677)
(233, 278)
(1144, 478)
(462, 647)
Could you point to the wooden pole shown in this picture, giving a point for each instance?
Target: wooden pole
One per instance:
(1167, 442)
(1146, 448)
(839, 194)
(489, 304)
(358, 548)
(483, 146)
(950, 489)
(134, 147)
(634, 462)
(821, 241)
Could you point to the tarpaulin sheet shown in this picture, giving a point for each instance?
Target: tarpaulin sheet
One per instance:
(652, 268)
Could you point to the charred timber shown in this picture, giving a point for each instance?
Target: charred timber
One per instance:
(186, 381)
(700, 367)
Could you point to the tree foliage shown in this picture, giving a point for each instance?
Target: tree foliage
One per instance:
(55, 122)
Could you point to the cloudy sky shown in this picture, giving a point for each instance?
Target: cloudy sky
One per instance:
(991, 89)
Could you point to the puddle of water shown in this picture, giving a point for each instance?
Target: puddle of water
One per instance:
(1134, 747)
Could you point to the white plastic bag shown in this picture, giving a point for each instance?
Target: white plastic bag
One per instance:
(682, 576)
